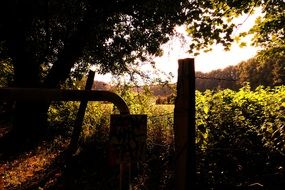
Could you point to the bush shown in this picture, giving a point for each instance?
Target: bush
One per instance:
(240, 135)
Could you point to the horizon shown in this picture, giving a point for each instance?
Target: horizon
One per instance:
(205, 62)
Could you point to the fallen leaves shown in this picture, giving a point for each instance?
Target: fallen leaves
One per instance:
(28, 165)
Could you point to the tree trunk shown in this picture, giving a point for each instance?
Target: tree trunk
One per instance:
(28, 115)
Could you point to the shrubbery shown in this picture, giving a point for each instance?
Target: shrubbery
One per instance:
(240, 136)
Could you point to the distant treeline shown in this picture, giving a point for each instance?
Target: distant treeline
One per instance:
(157, 90)
(270, 73)
(252, 71)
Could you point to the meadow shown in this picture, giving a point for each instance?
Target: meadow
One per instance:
(240, 143)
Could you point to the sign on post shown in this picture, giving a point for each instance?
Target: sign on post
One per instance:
(128, 137)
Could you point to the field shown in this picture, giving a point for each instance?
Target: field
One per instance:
(239, 138)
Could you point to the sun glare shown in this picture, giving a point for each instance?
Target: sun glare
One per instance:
(218, 58)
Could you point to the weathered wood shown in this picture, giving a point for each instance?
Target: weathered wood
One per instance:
(128, 135)
(36, 94)
(184, 126)
(127, 144)
(80, 115)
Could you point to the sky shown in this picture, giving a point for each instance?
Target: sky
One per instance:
(218, 58)
(205, 62)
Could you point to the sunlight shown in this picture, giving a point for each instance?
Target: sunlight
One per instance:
(218, 58)
(205, 62)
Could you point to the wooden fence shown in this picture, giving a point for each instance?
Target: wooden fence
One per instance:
(184, 126)
(184, 115)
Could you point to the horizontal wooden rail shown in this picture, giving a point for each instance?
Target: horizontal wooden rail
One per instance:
(39, 94)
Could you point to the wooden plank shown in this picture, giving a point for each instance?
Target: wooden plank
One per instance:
(80, 116)
(39, 94)
(184, 126)
(127, 144)
(128, 137)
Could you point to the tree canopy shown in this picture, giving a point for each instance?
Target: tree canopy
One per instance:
(46, 40)
(254, 71)
(216, 24)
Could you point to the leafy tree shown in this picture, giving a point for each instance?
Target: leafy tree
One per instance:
(6, 73)
(278, 71)
(254, 71)
(268, 31)
(48, 40)
(57, 36)
(216, 24)
(218, 79)
(240, 137)
(249, 71)
(257, 72)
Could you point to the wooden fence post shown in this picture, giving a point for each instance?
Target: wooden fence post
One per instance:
(128, 135)
(184, 126)
(80, 115)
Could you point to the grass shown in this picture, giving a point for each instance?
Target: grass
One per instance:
(89, 167)
(21, 171)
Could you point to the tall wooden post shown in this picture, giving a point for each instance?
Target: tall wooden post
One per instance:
(184, 126)
(127, 144)
(80, 115)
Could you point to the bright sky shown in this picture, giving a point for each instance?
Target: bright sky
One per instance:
(205, 62)
(217, 58)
